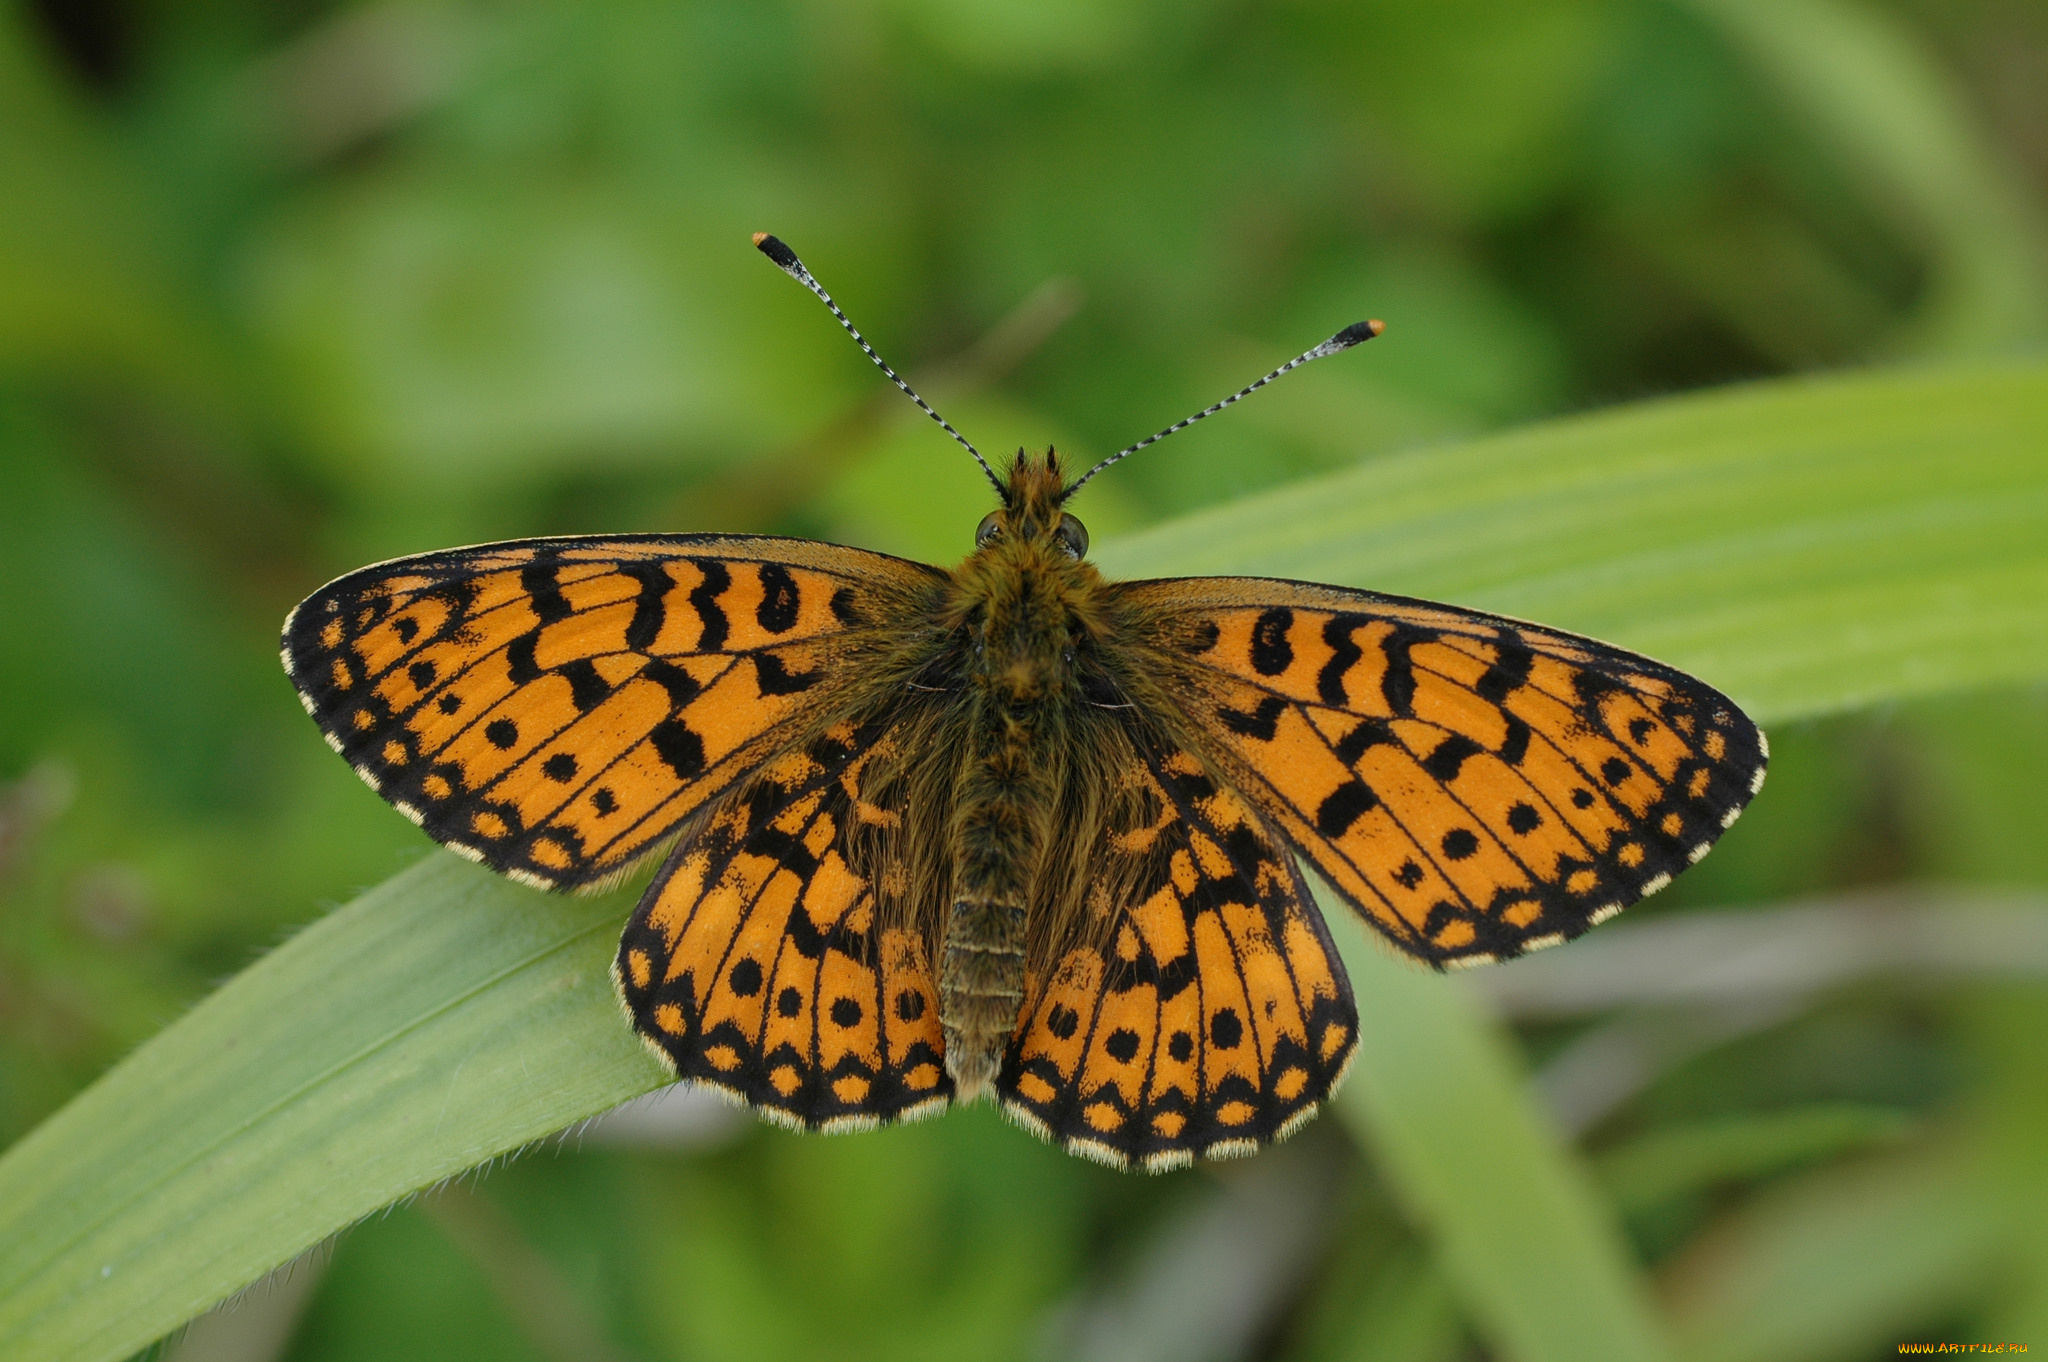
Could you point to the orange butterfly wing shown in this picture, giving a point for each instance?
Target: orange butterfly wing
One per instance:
(555, 708)
(1218, 1015)
(1475, 786)
(754, 962)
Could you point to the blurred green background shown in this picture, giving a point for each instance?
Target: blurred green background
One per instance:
(286, 288)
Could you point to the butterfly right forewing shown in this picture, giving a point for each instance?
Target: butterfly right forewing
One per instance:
(1474, 785)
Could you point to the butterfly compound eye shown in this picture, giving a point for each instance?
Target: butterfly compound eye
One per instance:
(986, 530)
(1073, 536)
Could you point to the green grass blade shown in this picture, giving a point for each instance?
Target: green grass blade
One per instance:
(439, 1019)
(1805, 546)
(1437, 1097)
(1845, 1261)
(1876, 98)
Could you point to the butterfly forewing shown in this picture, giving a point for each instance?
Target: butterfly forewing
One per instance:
(556, 708)
(1477, 787)
(755, 962)
(1215, 1015)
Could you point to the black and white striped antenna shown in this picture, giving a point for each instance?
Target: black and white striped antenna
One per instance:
(1355, 334)
(782, 255)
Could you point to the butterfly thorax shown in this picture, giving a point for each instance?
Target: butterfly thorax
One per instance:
(1029, 612)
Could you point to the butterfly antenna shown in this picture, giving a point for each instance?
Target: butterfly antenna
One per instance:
(1355, 334)
(782, 255)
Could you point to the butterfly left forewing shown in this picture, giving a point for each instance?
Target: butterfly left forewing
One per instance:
(755, 962)
(556, 708)
(1475, 786)
(1214, 1015)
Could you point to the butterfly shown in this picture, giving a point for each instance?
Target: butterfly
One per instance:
(1012, 830)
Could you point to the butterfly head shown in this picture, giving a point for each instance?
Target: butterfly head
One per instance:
(1030, 516)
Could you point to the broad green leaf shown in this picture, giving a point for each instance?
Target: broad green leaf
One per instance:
(440, 1019)
(1805, 546)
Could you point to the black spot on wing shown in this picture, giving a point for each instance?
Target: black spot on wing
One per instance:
(773, 678)
(745, 977)
(519, 663)
(1509, 672)
(1515, 745)
(778, 609)
(1590, 686)
(1397, 686)
(1261, 723)
(587, 689)
(1370, 733)
(649, 612)
(1343, 806)
(680, 685)
(545, 593)
(704, 600)
(1449, 757)
(1344, 654)
(681, 749)
(1271, 652)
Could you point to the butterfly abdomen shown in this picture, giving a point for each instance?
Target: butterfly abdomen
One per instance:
(998, 842)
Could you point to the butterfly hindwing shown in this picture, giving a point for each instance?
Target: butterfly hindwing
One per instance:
(1215, 1016)
(755, 964)
(556, 708)
(1476, 786)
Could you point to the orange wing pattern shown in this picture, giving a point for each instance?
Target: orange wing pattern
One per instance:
(753, 962)
(1217, 1017)
(556, 708)
(1477, 787)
